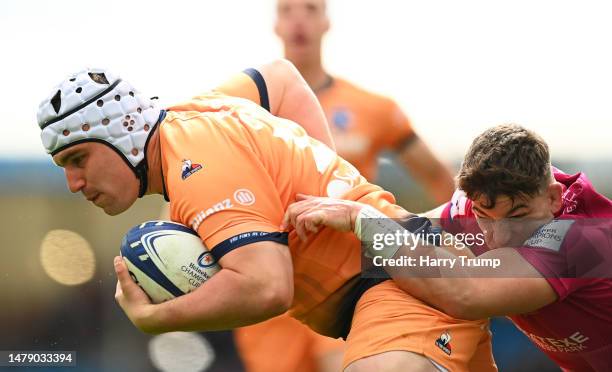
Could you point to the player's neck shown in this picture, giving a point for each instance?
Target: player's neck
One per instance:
(313, 72)
(155, 166)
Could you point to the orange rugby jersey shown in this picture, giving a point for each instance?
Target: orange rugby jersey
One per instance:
(231, 169)
(363, 124)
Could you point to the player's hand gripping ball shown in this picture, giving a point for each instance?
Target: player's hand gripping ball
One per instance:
(167, 259)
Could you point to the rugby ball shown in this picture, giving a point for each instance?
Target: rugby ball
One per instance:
(167, 259)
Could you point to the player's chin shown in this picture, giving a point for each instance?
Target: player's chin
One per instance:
(114, 209)
(492, 243)
(111, 212)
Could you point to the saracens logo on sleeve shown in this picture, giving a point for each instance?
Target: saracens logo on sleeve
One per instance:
(189, 168)
(443, 342)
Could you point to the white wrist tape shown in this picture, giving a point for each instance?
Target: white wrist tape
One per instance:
(366, 212)
(378, 223)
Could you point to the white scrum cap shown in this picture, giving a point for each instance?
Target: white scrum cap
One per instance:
(96, 105)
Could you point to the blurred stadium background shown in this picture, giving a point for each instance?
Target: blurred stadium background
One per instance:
(455, 67)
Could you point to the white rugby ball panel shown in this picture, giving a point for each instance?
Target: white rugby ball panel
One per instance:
(156, 292)
(167, 255)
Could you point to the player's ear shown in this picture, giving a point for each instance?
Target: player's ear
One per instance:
(555, 196)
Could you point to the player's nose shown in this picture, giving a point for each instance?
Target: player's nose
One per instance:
(502, 233)
(74, 179)
(489, 237)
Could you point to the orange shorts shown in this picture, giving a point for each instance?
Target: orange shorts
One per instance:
(283, 344)
(387, 319)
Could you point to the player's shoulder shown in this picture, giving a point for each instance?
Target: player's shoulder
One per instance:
(209, 101)
(192, 123)
(580, 197)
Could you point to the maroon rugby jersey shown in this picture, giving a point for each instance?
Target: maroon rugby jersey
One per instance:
(574, 253)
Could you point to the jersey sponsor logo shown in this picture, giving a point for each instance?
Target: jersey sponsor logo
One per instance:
(244, 197)
(443, 342)
(551, 235)
(188, 168)
(571, 344)
(204, 214)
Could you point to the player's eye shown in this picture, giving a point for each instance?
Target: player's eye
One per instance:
(478, 214)
(311, 9)
(79, 161)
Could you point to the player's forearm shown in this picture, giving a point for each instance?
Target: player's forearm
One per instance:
(452, 291)
(435, 213)
(478, 297)
(497, 283)
(228, 300)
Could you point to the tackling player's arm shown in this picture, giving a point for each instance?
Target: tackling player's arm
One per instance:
(434, 213)
(466, 292)
(279, 87)
(254, 284)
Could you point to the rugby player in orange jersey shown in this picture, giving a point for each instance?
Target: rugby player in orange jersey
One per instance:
(363, 124)
(230, 169)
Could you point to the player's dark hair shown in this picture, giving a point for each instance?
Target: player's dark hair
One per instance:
(505, 160)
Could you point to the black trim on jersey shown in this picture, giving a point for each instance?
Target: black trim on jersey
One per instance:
(347, 307)
(163, 180)
(164, 190)
(261, 87)
(82, 105)
(239, 240)
(329, 81)
(142, 169)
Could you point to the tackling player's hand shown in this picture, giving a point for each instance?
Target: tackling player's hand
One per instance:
(309, 213)
(132, 299)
